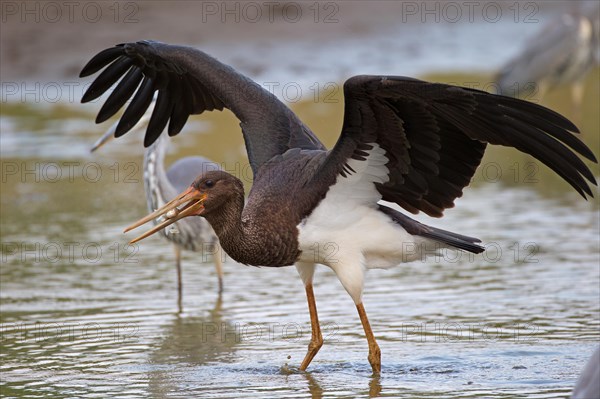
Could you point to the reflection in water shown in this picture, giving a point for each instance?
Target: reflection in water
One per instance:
(375, 386)
(315, 390)
(195, 340)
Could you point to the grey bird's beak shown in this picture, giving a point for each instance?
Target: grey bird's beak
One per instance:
(108, 136)
(110, 133)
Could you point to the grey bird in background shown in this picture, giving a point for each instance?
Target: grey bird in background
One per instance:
(161, 186)
(563, 52)
(588, 384)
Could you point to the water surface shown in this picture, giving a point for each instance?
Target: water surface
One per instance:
(84, 315)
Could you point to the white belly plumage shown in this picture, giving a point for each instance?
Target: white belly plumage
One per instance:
(348, 233)
(332, 231)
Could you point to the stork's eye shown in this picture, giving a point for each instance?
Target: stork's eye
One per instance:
(209, 183)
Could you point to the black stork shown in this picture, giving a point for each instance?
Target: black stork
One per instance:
(410, 142)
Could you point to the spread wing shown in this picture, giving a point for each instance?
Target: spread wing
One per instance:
(188, 82)
(432, 138)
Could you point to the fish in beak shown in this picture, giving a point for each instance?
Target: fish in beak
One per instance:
(193, 200)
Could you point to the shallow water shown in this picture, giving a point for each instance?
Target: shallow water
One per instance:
(85, 315)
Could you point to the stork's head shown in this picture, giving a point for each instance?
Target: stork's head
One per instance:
(205, 196)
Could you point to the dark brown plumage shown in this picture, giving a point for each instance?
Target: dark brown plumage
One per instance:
(242, 235)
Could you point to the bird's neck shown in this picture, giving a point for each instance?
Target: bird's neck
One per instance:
(157, 186)
(252, 240)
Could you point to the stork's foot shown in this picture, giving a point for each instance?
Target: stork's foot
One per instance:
(375, 358)
(313, 348)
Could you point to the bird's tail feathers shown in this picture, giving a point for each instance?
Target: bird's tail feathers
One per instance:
(454, 240)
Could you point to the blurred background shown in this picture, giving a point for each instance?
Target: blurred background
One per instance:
(82, 314)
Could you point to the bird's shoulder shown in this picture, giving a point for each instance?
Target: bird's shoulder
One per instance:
(286, 183)
(291, 170)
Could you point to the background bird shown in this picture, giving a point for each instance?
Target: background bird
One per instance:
(160, 186)
(403, 140)
(588, 384)
(563, 52)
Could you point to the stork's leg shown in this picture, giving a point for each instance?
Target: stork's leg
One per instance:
(178, 267)
(218, 259)
(316, 340)
(374, 351)
(306, 272)
(350, 272)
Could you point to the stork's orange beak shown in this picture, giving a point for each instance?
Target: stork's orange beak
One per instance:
(193, 200)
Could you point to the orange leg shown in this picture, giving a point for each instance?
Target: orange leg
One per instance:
(374, 351)
(316, 340)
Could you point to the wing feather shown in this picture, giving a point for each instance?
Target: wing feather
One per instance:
(435, 135)
(191, 82)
